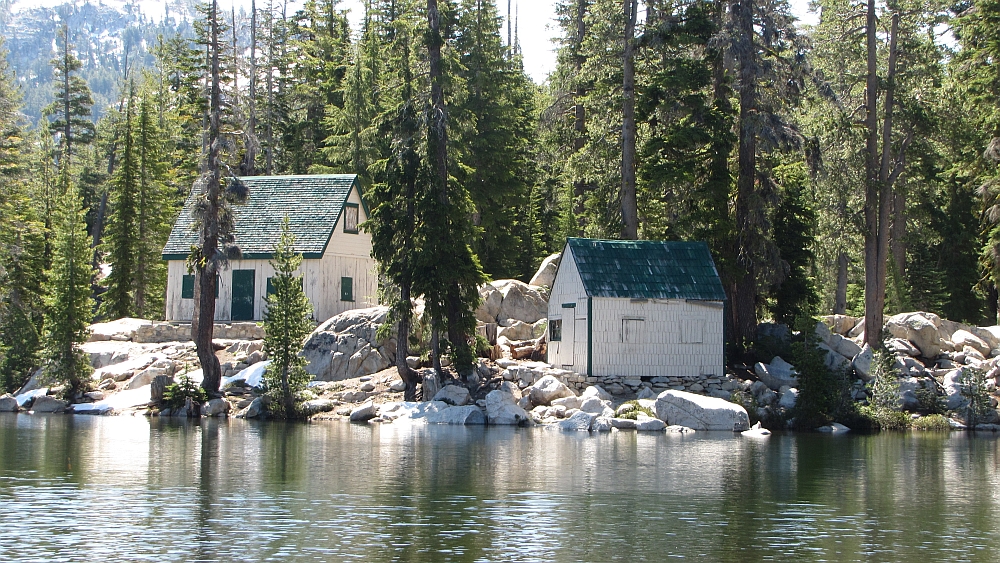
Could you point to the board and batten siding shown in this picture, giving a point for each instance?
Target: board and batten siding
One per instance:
(657, 337)
(347, 255)
(567, 288)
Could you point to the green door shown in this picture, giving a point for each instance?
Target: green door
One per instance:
(243, 292)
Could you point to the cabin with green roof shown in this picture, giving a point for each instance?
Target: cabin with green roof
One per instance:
(637, 309)
(324, 212)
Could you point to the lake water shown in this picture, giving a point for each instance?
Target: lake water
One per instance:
(75, 488)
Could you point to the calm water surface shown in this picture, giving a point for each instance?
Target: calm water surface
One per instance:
(76, 488)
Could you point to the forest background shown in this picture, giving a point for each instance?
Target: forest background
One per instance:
(797, 154)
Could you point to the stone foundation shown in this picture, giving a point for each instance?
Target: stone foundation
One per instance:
(181, 332)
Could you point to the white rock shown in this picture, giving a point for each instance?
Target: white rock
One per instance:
(546, 274)
(568, 402)
(410, 410)
(963, 338)
(517, 330)
(547, 389)
(215, 407)
(649, 424)
(398, 386)
(504, 363)
(462, 415)
(119, 330)
(365, 412)
(844, 346)
(579, 421)
(835, 428)
(700, 412)
(456, 395)
(520, 301)
(48, 403)
(253, 410)
(489, 305)
(919, 328)
(501, 409)
(756, 431)
(252, 376)
(858, 330)
(862, 363)
(596, 391)
(623, 423)
(593, 405)
(678, 429)
(777, 373)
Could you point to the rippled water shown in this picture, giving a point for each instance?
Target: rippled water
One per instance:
(132, 489)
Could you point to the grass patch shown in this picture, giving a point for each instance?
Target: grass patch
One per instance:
(636, 409)
(934, 422)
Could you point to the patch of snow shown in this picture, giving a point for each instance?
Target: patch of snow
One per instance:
(23, 398)
(253, 375)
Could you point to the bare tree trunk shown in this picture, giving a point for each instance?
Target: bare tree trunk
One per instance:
(879, 178)
(630, 213)
(269, 130)
(897, 239)
(204, 323)
(840, 302)
(745, 295)
(579, 111)
(251, 147)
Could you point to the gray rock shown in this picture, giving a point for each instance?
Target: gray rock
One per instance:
(623, 423)
(547, 389)
(596, 391)
(700, 412)
(48, 403)
(430, 383)
(762, 393)
(624, 408)
(649, 424)
(568, 402)
(365, 412)
(501, 409)
(647, 393)
(347, 346)
(517, 330)
(546, 274)
(94, 395)
(788, 397)
(777, 373)
(678, 429)
(453, 395)
(593, 405)
(145, 377)
(398, 386)
(317, 406)
(835, 428)
(601, 424)
(489, 305)
(215, 407)
(367, 387)
(579, 421)
(464, 415)
(8, 403)
(834, 360)
(962, 338)
(158, 386)
(254, 410)
(844, 346)
(900, 346)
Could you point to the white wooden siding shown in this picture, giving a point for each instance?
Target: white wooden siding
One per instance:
(668, 344)
(568, 288)
(347, 255)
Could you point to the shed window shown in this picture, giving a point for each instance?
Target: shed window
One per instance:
(632, 330)
(693, 331)
(347, 289)
(187, 286)
(270, 286)
(555, 330)
(351, 218)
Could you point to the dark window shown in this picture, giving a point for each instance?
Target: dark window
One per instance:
(555, 330)
(270, 286)
(351, 218)
(346, 289)
(187, 287)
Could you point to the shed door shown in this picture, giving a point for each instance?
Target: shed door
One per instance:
(243, 293)
(580, 338)
(567, 343)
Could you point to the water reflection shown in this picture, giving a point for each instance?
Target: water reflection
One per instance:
(120, 488)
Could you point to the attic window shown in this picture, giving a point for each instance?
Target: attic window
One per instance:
(555, 330)
(351, 218)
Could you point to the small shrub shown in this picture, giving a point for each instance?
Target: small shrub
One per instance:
(483, 348)
(885, 383)
(885, 419)
(824, 394)
(636, 409)
(975, 391)
(176, 395)
(930, 402)
(934, 422)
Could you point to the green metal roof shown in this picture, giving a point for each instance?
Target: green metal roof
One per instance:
(313, 204)
(647, 269)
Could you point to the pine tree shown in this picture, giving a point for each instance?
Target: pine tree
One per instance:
(122, 233)
(155, 211)
(70, 110)
(68, 305)
(794, 227)
(287, 322)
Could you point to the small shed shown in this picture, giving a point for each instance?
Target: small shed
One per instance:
(323, 211)
(637, 309)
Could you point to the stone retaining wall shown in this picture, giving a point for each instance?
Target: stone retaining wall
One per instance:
(181, 332)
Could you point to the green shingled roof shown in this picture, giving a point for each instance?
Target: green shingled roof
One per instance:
(647, 269)
(313, 204)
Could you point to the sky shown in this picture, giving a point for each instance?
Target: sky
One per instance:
(535, 22)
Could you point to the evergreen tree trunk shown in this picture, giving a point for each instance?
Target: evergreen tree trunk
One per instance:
(897, 239)
(840, 301)
(203, 324)
(630, 213)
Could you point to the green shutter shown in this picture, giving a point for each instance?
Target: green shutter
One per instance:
(187, 287)
(346, 289)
